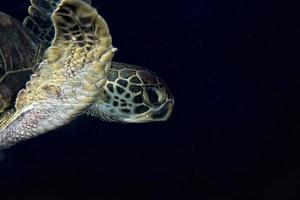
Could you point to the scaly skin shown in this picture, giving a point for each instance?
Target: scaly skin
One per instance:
(129, 102)
(68, 80)
(133, 94)
(39, 21)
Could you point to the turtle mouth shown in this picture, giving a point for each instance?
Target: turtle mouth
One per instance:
(159, 114)
(161, 103)
(164, 112)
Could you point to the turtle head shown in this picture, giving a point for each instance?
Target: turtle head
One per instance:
(133, 94)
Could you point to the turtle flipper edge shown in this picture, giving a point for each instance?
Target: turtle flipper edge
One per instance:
(68, 80)
(39, 22)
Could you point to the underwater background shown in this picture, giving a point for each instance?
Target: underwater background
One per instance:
(234, 69)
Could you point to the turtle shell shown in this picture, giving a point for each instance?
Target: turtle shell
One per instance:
(17, 59)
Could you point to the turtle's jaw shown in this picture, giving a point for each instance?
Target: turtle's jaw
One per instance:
(164, 112)
(160, 114)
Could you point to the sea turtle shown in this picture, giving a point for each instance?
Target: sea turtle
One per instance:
(73, 76)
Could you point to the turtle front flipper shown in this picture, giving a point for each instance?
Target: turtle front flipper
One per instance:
(69, 79)
(39, 22)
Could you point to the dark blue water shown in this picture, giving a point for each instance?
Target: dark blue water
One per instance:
(234, 69)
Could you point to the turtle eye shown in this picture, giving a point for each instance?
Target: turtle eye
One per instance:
(154, 96)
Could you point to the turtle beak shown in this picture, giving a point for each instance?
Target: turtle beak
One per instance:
(164, 112)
